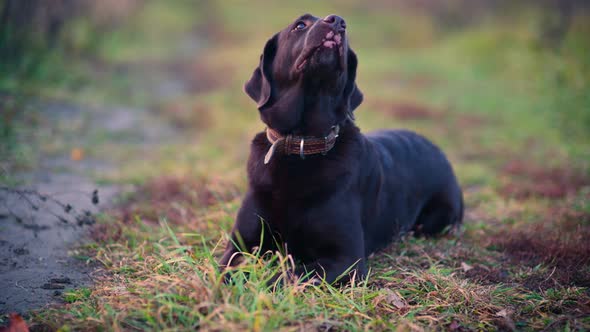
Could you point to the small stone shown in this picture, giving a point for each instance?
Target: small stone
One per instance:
(53, 286)
(61, 280)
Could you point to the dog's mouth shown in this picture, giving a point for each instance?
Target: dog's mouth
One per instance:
(332, 40)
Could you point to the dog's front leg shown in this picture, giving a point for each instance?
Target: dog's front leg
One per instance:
(340, 257)
(335, 239)
(339, 271)
(247, 231)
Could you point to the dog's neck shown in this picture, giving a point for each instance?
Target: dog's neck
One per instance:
(307, 108)
(322, 110)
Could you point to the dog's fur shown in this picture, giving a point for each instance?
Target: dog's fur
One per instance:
(331, 211)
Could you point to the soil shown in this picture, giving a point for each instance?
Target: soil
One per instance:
(35, 263)
(38, 239)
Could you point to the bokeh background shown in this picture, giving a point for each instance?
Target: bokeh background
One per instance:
(145, 97)
(518, 71)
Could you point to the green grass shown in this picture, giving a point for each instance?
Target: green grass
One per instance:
(493, 99)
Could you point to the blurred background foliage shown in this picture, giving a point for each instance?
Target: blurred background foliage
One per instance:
(537, 49)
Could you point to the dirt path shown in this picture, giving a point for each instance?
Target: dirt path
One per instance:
(38, 238)
(35, 263)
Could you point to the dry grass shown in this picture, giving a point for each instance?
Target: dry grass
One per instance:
(520, 263)
(511, 277)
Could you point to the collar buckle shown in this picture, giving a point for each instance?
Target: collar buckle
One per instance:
(301, 154)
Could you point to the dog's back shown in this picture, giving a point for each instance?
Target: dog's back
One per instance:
(417, 189)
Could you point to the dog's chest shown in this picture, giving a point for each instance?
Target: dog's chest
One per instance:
(298, 234)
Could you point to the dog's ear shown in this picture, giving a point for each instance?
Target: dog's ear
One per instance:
(259, 86)
(356, 98)
(352, 93)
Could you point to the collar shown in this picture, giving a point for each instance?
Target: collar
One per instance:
(299, 145)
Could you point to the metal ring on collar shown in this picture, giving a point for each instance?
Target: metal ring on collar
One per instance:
(301, 149)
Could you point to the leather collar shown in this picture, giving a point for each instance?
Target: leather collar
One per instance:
(299, 145)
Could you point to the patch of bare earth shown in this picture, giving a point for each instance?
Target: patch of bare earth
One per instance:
(407, 110)
(566, 254)
(554, 237)
(526, 180)
(487, 275)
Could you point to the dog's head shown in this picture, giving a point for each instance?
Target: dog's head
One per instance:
(306, 77)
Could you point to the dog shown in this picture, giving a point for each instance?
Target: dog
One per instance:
(317, 185)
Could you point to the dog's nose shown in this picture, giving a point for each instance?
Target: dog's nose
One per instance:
(336, 22)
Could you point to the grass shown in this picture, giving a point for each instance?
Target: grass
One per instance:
(487, 95)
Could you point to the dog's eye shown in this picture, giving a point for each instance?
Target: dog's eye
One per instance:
(300, 26)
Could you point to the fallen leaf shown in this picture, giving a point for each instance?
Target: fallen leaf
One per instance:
(77, 154)
(17, 324)
(466, 267)
(395, 299)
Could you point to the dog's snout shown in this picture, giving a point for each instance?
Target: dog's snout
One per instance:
(336, 22)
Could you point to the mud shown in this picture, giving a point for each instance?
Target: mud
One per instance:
(36, 264)
(39, 260)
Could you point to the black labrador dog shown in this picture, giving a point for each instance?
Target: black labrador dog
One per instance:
(319, 187)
